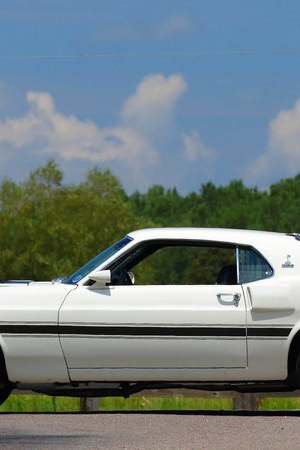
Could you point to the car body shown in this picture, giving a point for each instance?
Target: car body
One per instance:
(194, 308)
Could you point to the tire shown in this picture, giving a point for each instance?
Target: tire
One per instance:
(5, 385)
(5, 391)
(293, 379)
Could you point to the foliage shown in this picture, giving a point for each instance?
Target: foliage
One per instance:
(283, 207)
(164, 207)
(232, 206)
(49, 228)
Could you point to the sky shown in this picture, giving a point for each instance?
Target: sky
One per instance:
(175, 92)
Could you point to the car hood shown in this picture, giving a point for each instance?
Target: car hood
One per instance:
(22, 282)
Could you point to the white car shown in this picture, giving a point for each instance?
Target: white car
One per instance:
(190, 308)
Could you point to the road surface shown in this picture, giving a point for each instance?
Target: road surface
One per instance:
(159, 431)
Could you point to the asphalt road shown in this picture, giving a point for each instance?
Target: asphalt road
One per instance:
(157, 431)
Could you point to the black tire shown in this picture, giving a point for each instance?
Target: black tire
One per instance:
(5, 385)
(293, 379)
(5, 391)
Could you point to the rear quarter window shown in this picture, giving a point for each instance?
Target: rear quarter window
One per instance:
(252, 266)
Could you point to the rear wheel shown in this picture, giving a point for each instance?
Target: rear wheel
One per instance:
(293, 379)
(5, 390)
(297, 373)
(5, 385)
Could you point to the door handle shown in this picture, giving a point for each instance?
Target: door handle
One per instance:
(234, 298)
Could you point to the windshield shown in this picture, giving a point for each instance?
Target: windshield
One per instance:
(95, 262)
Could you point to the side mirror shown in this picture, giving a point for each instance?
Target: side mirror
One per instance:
(102, 277)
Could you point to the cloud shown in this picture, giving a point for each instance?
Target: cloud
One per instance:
(151, 108)
(143, 116)
(285, 132)
(176, 25)
(283, 151)
(195, 149)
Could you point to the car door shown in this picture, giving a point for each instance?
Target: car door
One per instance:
(153, 331)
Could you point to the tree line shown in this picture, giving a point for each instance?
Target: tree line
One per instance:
(48, 228)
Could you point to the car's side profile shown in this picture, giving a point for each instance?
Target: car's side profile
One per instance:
(194, 308)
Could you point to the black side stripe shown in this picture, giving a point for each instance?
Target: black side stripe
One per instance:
(77, 330)
(268, 332)
(154, 331)
(29, 329)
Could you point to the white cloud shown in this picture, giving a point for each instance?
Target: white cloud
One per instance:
(195, 149)
(283, 151)
(285, 132)
(151, 107)
(176, 25)
(67, 136)
(144, 115)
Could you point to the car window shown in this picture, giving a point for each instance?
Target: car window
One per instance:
(252, 266)
(186, 263)
(97, 260)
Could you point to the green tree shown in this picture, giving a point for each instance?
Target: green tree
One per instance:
(48, 229)
(165, 207)
(282, 212)
(232, 206)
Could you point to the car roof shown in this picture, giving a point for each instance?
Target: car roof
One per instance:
(235, 236)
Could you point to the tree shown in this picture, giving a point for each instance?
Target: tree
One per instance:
(163, 207)
(283, 210)
(48, 229)
(232, 206)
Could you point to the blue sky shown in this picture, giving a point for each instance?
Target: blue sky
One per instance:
(176, 93)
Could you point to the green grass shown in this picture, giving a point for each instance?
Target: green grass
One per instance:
(42, 403)
(39, 403)
(280, 404)
(164, 404)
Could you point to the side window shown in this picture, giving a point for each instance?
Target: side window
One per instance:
(252, 266)
(178, 263)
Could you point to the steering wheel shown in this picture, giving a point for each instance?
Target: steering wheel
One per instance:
(124, 278)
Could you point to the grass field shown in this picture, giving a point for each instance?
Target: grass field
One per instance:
(41, 403)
